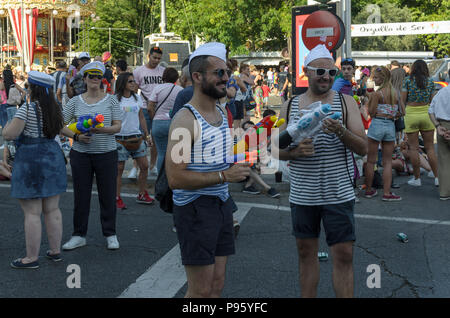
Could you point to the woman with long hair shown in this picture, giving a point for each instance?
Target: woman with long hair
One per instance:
(94, 152)
(39, 173)
(159, 106)
(383, 108)
(417, 93)
(130, 142)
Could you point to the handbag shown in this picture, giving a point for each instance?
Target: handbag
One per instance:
(131, 144)
(163, 193)
(249, 102)
(14, 98)
(399, 122)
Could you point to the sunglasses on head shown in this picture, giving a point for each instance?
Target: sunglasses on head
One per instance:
(91, 76)
(347, 60)
(323, 71)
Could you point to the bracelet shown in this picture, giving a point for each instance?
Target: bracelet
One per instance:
(221, 177)
(341, 133)
(75, 137)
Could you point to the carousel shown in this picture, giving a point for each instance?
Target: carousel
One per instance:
(51, 27)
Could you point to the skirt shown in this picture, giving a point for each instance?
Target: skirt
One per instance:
(39, 169)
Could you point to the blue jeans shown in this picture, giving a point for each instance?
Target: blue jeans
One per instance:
(160, 133)
(4, 113)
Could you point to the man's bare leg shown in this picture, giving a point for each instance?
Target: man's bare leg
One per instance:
(308, 266)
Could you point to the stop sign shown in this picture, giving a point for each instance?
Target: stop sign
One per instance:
(323, 27)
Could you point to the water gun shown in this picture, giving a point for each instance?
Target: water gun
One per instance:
(250, 157)
(356, 98)
(86, 122)
(308, 125)
(266, 124)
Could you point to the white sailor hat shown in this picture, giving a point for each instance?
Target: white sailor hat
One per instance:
(212, 49)
(319, 52)
(41, 79)
(84, 55)
(93, 68)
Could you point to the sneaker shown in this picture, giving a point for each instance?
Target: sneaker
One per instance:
(133, 173)
(54, 257)
(391, 197)
(436, 182)
(144, 198)
(273, 193)
(113, 243)
(120, 204)
(74, 242)
(415, 182)
(174, 229)
(357, 200)
(154, 171)
(395, 186)
(19, 265)
(251, 190)
(370, 194)
(431, 174)
(444, 198)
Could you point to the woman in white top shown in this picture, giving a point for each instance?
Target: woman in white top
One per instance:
(160, 104)
(130, 142)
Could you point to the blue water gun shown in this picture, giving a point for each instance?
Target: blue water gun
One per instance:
(86, 122)
(308, 125)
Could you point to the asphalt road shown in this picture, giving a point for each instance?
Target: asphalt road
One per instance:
(265, 263)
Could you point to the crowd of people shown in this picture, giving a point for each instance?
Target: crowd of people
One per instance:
(385, 110)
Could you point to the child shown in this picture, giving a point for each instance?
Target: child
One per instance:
(266, 92)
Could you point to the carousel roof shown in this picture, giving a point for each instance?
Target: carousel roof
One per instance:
(64, 7)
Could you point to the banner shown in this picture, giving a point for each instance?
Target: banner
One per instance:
(404, 28)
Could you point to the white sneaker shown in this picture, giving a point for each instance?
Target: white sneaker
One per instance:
(436, 182)
(431, 174)
(133, 173)
(154, 171)
(415, 182)
(113, 243)
(74, 242)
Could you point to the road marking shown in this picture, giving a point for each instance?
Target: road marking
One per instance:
(167, 276)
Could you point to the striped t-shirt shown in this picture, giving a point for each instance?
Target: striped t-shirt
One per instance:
(27, 114)
(208, 154)
(108, 107)
(325, 177)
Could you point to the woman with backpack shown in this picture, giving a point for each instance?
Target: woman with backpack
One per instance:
(384, 109)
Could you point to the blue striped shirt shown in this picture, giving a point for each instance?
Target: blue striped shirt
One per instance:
(208, 154)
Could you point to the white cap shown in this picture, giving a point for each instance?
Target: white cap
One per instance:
(319, 52)
(84, 55)
(41, 79)
(213, 49)
(96, 68)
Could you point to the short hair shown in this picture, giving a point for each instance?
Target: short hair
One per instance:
(185, 62)
(185, 73)
(61, 64)
(247, 122)
(170, 75)
(269, 112)
(395, 63)
(242, 67)
(199, 64)
(155, 49)
(348, 61)
(122, 64)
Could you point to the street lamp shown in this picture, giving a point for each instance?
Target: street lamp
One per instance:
(109, 32)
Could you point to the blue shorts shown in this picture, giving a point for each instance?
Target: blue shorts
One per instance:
(381, 129)
(338, 221)
(124, 154)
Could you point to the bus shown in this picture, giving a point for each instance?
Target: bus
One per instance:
(175, 50)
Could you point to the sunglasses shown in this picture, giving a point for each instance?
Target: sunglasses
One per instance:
(131, 81)
(95, 76)
(322, 71)
(221, 72)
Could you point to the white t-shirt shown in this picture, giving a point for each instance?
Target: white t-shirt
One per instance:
(270, 75)
(148, 78)
(130, 121)
(159, 94)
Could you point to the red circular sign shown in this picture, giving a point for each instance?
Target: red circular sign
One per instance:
(323, 27)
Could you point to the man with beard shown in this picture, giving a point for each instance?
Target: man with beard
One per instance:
(320, 174)
(199, 175)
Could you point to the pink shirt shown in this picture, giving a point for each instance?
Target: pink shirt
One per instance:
(159, 94)
(3, 97)
(148, 78)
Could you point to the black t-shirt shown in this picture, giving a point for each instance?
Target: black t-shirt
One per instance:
(282, 78)
(108, 75)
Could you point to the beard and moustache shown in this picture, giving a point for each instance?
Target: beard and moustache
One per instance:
(211, 90)
(318, 89)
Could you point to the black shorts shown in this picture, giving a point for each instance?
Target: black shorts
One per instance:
(204, 230)
(338, 221)
(239, 109)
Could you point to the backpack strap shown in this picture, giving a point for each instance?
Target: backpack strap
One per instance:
(344, 110)
(289, 109)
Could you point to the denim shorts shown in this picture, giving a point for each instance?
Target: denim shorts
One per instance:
(381, 130)
(338, 221)
(204, 230)
(124, 154)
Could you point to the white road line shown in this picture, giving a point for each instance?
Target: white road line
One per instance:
(167, 276)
